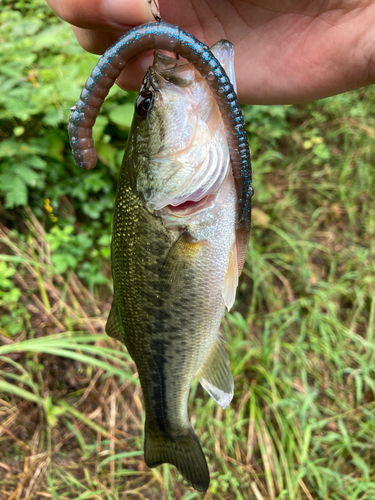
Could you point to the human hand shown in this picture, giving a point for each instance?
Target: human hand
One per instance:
(287, 51)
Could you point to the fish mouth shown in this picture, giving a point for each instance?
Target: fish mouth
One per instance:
(191, 207)
(166, 70)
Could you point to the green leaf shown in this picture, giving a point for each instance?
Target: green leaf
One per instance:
(15, 190)
(26, 173)
(83, 241)
(17, 391)
(107, 154)
(55, 148)
(92, 209)
(94, 181)
(13, 296)
(5, 271)
(53, 117)
(26, 28)
(9, 148)
(52, 411)
(122, 115)
(100, 124)
(18, 131)
(5, 283)
(63, 261)
(35, 162)
(104, 240)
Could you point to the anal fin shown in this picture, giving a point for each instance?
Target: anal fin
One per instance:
(112, 328)
(215, 375)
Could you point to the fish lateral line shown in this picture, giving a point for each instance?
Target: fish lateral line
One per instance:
(164, 36)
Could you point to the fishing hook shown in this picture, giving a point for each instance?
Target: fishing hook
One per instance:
(155, 11)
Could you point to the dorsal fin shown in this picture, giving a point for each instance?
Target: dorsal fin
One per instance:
(224, 53)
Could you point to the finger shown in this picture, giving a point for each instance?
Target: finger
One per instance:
(103, 14)
(96, 41)
(132, 76)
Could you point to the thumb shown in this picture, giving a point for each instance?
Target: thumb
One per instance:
(103, 15)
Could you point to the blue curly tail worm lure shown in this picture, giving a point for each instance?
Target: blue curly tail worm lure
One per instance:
(164, 36)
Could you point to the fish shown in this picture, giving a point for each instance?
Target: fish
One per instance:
(181, 226)
(174, 254)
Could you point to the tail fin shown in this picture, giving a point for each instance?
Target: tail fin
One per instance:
(184, 452)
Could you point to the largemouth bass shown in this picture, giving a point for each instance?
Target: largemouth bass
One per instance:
(174, 256)
(181, 228)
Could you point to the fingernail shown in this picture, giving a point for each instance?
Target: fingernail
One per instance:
(129, 12)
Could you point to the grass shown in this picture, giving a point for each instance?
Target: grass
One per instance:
(300, 339)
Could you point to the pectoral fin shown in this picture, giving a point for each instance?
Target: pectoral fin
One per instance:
(182, 255)
(231, 279)
(112, 328)
(215, 375)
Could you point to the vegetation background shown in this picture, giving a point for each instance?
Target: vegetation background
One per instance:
(300, 337)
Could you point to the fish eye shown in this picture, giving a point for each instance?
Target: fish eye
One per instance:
(144, 102)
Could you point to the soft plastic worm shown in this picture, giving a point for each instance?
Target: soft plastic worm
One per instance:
(162, 35)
